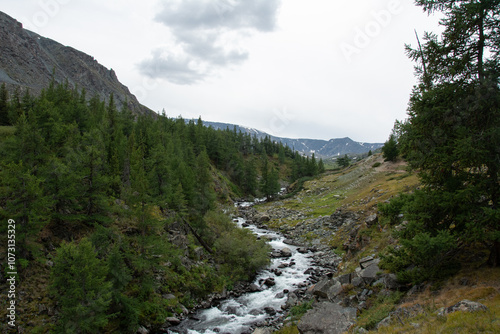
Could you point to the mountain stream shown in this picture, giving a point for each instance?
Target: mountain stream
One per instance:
(239, 315)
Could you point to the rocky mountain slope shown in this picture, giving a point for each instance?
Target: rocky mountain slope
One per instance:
(320, 148)
(335, 217)
(28, 61)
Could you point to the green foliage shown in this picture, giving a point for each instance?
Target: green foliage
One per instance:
(73, 167)
(241, 254)
(422, 257)
(299, 310)
(390, 149)
(238, 251)
(452, 138)
(344, 162)
(394, 209)
(426, 249)
(380, 308)
(321, 166)
(4, 106)
(80, 287)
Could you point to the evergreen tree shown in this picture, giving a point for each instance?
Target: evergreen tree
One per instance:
(4, 106)
(312, 166)
(250, 184)
(321, 166)
(281, 154)
(390, 149)
(25, 202)
(270, 180)
(205, 191)
(80, 286)
(88, 162)
(452, 136)
(344, 162)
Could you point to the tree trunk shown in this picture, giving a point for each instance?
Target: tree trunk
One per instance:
(198, 237)
(494, 259)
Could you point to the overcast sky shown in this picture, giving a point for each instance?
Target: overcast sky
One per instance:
(317, 69)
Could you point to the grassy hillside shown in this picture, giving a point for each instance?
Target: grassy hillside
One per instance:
(359, 189)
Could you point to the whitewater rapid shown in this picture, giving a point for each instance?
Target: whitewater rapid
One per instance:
(239, 315)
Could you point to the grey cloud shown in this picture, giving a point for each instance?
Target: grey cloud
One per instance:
(203, 47)
(199, 27)
(178, 70)
(212, 14)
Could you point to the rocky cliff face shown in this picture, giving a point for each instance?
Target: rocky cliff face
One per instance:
(28, 60)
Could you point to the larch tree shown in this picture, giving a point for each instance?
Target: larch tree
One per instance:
(452, 134)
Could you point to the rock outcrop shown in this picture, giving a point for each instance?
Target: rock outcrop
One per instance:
(29, 61)
(328, 318)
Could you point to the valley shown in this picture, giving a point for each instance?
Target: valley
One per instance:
(118, 219)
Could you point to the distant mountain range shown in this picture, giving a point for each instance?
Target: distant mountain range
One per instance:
(29, 61)
(320, 148)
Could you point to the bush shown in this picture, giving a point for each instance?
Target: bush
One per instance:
(299, 310)
(241, 254)
(394, 208)
(237, 250)
(422, 257)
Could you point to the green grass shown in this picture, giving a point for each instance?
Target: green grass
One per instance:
(380, 308)
(457, 322)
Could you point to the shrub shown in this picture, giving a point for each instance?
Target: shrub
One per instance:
(421, 257)
(394, 208)
(237, 250)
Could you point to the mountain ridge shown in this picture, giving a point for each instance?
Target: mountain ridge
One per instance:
(29, 61)
(321, 148)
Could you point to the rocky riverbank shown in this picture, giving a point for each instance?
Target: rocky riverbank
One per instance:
(335, 220)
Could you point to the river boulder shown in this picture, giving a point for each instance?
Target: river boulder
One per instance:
(327, 288)
(286, 252)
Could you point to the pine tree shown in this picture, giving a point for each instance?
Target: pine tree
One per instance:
(25, 202)
(344, 162)
(205, 191)
(250, 184)
(4, 106)
(321, 166)
(89, 163)
(452, 136)
(80, 286)
(390, 149)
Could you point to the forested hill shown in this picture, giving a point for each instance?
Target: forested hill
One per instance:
(29, 61)
(127, 208)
